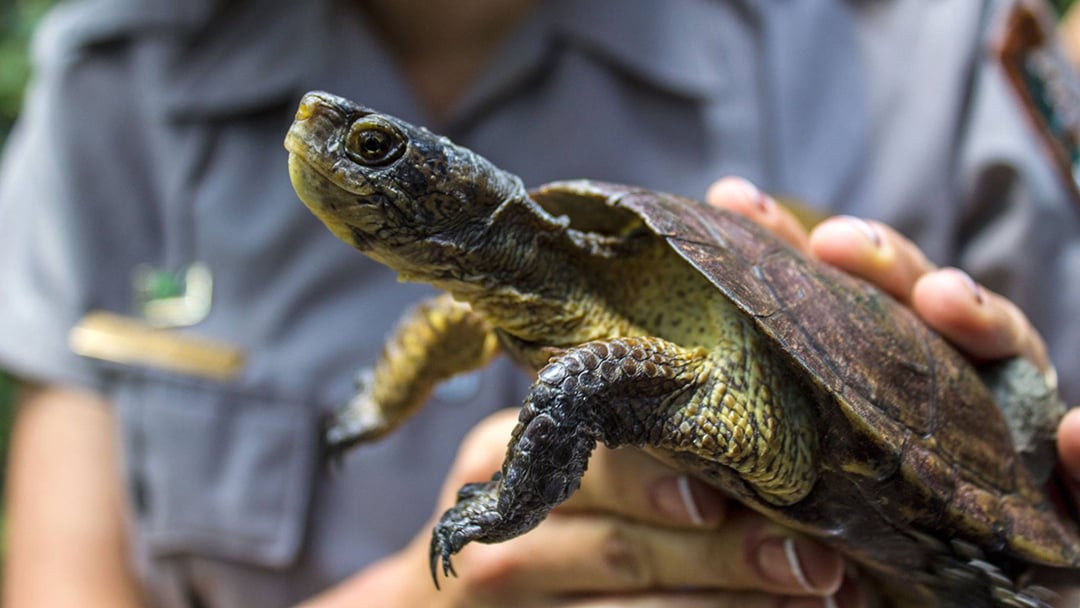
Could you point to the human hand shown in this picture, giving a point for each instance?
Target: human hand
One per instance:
(982, 324)
(635, 534)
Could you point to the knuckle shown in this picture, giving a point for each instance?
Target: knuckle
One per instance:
(626, 558)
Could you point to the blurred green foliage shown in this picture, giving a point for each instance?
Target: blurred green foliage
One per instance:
(17, 20)
(1060, 6)
(7, 405)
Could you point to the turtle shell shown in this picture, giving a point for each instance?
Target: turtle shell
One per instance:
(912, 432)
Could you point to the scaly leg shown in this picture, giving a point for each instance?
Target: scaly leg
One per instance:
(437, 339)
(723, 407)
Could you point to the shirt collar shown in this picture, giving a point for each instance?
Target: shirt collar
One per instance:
(78, 24)
(656, 42)
(197, 57)
(250, 59)
(670, 44)
(214, 57)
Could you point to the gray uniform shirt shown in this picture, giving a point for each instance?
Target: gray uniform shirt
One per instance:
(152, 136)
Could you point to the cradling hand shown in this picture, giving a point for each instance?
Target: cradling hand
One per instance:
(635, 534)
(982, 324)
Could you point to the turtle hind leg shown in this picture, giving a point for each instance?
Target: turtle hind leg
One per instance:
(435, 340)
(627, 391)
(963, 576)
(359, 421)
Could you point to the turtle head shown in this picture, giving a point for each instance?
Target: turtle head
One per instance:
(402, 195)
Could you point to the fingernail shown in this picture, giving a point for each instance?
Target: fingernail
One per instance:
(686, 499)
(864, 227)
(766, 203)
(763, 202)
(800, 564)
(976, 291)
(687, 496)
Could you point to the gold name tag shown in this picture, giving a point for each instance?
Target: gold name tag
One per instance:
(129, 341)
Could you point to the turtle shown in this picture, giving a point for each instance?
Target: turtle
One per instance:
(662, 323)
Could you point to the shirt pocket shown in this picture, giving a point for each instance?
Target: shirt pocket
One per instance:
(216, 472)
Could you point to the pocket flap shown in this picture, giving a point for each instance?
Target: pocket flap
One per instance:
(214, 471)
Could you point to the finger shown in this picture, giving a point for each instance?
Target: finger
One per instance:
(626, 482)
(481, 453)
(981, 323)
(594, 554)
(739, 195)
(629, 483)
(870, 250)
(1068, 446)
(1069, 597)
(846, 598)
(692, 599)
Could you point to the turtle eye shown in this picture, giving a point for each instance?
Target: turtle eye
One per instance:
(374, 143)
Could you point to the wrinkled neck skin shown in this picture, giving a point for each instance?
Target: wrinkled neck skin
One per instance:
(513, 272)
(509, 264)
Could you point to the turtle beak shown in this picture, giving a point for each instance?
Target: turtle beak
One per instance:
(313, 142)
(317, 126)
(328, 183)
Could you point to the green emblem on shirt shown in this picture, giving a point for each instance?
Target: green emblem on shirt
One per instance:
(179, 298)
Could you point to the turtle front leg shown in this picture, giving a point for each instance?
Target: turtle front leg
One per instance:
(646, 392)
(438, 338)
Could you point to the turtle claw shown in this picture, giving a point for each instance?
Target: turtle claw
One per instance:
(331, 451)
(339, 434)
(474, 517)
(965, 577)
(443, 547)
(360, 421)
